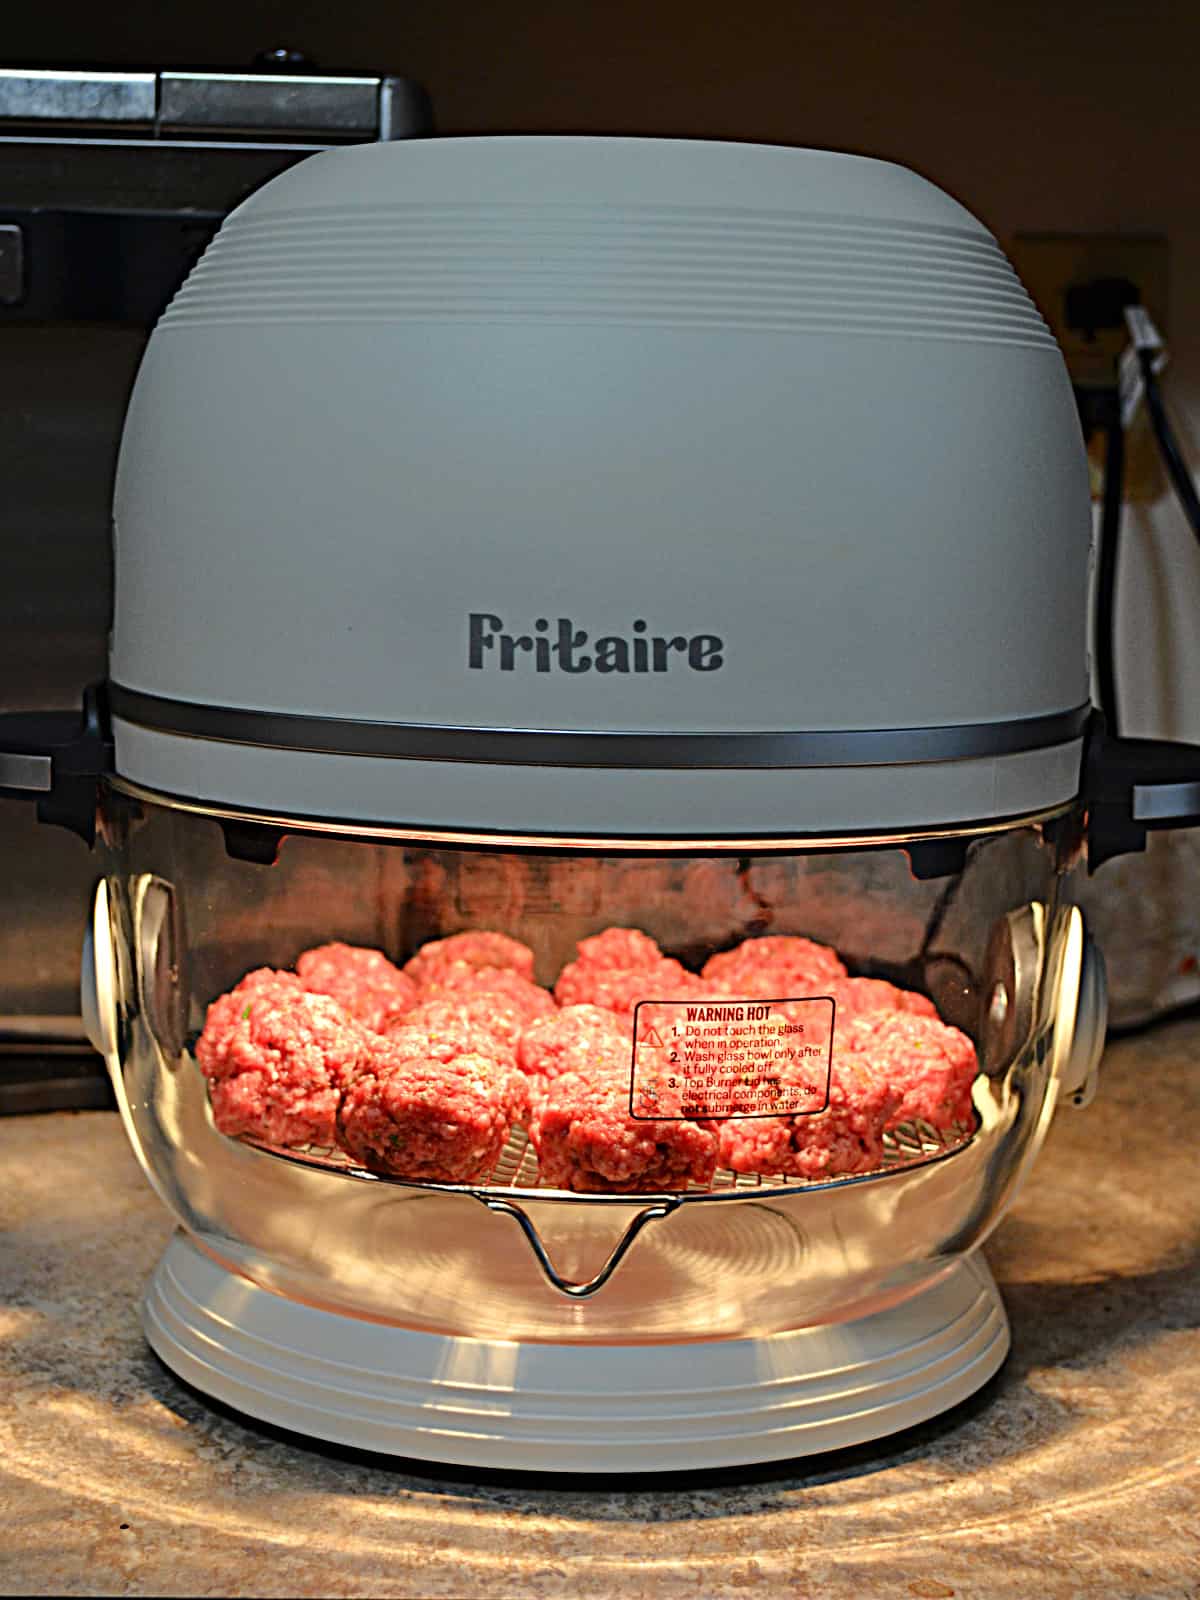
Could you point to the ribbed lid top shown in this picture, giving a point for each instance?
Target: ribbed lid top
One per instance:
(704, 174)
(668, 233)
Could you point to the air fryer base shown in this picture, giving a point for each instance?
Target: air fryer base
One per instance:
(581, 1408)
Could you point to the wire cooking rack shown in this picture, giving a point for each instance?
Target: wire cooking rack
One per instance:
(517, 1166)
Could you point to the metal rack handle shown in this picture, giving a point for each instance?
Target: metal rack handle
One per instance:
(568, 1286)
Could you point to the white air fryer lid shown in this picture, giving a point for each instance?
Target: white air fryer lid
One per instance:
(603, 485)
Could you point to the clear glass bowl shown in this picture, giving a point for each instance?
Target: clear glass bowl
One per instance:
(194, 898)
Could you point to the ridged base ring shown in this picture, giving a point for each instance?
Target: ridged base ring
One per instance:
(557, 1408)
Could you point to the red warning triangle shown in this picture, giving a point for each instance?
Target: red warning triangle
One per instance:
(653, 1038)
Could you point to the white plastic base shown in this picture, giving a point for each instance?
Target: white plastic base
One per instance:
(573, 1408)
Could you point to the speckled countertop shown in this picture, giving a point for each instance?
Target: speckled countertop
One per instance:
(1076, 1472)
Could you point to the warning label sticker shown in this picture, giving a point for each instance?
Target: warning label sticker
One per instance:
(731, 1058)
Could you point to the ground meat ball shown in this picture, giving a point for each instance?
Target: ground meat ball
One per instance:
(487, 1010)
(277, 1060)
(619, 989)
(587, 1141)
(775, 967)
(845, 1138)
(364, 981)
(481, 950)
(436, 1114)
(580, 1039)
(263, 978)
(619, 949)
(225, 1013)
(930, 1065)
(620, 967)
(580, 983)
(862, 996)
(508, 986)
(499, 1000)
(441, 1031)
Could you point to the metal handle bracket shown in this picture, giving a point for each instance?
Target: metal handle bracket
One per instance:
(569, 1286)
(1134, 785)
(57, 758)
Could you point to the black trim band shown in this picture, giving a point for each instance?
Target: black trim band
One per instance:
(523, 747)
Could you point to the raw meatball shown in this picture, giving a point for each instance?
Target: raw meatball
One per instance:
(441, 1031)
(508, 986)
(930, 1065)
(482, 950)
(862, 996)
(620, 967)
(224, 1014)
(620, 991)
(499, 999)
(587, 1141)
(580, 1039)
(364, 981)
(775, 967)
(263, 978)
(619, 949)
(845, 1138)
(432, 1113)
(277, 1060)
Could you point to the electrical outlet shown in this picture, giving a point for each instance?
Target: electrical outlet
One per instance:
(1078, 282)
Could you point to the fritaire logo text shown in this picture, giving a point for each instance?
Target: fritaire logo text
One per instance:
(562, 647)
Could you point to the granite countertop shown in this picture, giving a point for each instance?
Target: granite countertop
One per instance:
(1075, 1472)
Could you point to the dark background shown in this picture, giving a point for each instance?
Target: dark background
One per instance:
(1018, 106)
